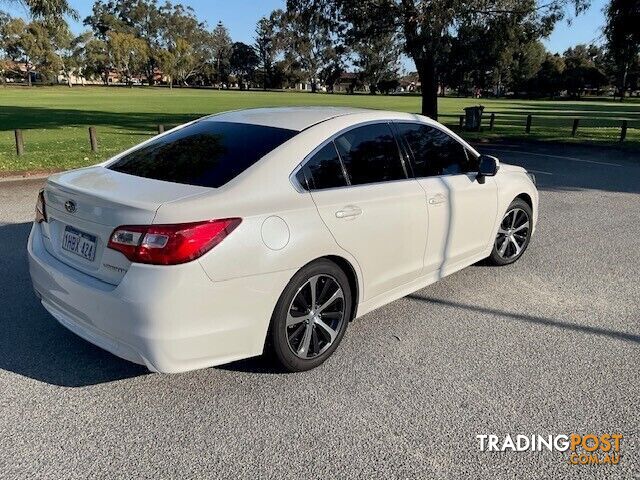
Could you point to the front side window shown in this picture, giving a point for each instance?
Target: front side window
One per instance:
(206, 153)
(435, 152)
(370, 154)
(324, 169)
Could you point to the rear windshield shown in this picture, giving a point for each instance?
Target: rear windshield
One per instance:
(206, 153)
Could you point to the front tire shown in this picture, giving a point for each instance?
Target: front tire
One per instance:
(311, 316)
(514, 234)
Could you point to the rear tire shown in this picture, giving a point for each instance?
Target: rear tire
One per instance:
(311, 316)
(514, 234)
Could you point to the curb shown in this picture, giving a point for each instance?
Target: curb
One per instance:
(24, 178)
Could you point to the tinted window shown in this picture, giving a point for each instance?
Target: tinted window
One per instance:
(324, 169)
(206, 153)
(370, 154)
(435, 152)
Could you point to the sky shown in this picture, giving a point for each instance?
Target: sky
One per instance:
(241, 16)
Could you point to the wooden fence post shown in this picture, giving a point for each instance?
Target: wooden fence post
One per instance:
(623, 131)
(528, 127)
(93, 139)
(19, 142)
(574, 130)
(160, 129)
(492, 120)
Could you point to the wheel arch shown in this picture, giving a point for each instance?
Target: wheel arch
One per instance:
(525, 197)
(348, 269)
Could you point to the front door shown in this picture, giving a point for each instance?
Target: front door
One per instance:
(462, 210)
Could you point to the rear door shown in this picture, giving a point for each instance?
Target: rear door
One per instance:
(375, 212)
(462, 211)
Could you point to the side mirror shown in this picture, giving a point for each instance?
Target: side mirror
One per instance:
(488, 167)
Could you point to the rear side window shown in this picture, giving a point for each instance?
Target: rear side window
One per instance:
(435, 152)
(206, 153)
(324, 169)
(370, 154)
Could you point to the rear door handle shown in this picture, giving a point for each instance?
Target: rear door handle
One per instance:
(437, 199)
(349, 212)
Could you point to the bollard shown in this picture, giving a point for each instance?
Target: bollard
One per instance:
(461, 121)
(93, 139)
(19, 142)
(623, 131)
(160, 129)
(574, 130)
(492, 120)
(528, 128)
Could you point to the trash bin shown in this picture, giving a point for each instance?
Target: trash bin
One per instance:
(473, 118)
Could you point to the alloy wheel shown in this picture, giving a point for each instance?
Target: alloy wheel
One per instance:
(315, 316)
(513, 233)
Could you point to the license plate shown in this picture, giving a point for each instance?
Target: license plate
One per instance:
(80, 243)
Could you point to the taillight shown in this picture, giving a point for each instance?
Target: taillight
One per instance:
(41, 212)
(170, 244)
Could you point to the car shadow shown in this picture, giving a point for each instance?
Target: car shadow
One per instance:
(32, 343)
(263, 364)
(567, 168)
(531, 319)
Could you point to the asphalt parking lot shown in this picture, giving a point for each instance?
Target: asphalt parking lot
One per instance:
(549, 345)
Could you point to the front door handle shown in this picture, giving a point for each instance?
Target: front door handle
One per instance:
(349, 212)
(437, 199)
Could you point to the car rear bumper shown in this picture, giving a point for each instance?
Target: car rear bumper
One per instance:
(171, 319)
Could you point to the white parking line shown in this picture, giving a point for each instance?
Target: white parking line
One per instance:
(539, 171)
(573, 159)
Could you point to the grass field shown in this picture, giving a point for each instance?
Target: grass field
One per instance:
(55, 119)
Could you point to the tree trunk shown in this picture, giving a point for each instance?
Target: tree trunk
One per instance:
(428, 78)
(623, 81)
(29, 77)
(218, 69)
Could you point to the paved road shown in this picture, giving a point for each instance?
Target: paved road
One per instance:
(549, 345)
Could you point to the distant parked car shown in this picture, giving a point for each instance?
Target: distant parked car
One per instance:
(267, 227)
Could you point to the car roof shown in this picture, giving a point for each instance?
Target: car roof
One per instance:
(291, 118)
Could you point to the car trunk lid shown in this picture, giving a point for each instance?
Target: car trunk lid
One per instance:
(84, 207)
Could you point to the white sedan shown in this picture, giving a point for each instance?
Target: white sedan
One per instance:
(268, 229)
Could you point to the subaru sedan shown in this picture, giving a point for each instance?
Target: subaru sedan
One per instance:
(268, 229)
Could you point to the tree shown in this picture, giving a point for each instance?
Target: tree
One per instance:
(526, 63)
(97, 62)
(128, 53)
(377, 58)
(34, 44)
(311, 34)
(266, 46)
(147, 21)
(492, 53)
(220, 42)
(549, 80)
(426, 25)
(243, 62)
(622, 32)
(103, 19)
(581, 71)
(182, 50)
(50, 11)
(71, 51)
